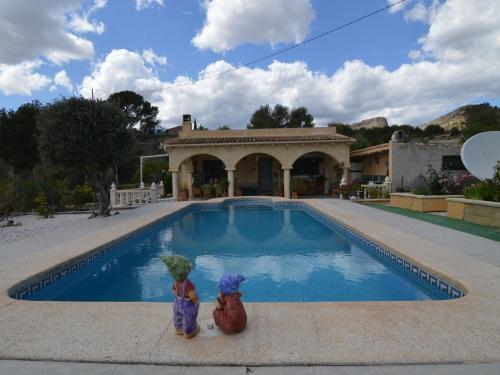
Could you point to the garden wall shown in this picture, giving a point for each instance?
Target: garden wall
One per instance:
(421, 203)
(475, 211)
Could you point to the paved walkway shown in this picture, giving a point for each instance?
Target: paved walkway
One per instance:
(477, 247)
(62, 368)
(81, 226)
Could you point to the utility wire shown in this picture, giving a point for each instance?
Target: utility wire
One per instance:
(277, 52)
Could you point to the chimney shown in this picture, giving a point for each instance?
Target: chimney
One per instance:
(186, 123)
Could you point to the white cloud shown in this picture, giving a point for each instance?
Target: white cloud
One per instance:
(415, 55)
(143, 4)
(61, 79)
(21, 79)
(230, 23)
(36, 29)
(120, 70)
(81, 23)
(398, 7)
(458, 61)
(417, 13)
(152, 58)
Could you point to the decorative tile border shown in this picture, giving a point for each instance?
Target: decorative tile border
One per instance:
(423, 277)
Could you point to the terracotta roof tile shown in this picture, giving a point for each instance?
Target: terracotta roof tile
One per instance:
(271, 139)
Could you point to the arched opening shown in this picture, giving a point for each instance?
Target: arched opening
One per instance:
(315, 174)
(258, 174)
(203, 176)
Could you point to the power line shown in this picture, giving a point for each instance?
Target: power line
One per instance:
(279, 52)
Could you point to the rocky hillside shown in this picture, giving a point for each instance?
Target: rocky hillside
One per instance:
(376, 122)
(454, 119)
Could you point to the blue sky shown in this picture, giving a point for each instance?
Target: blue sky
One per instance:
(365, 70)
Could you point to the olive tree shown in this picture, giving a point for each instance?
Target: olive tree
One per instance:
(85, 136)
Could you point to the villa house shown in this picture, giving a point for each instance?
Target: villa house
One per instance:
(403, 162)
(257, 161)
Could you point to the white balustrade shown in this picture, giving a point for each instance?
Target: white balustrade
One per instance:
(133, 197)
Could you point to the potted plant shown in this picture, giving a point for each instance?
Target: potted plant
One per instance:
(184, 193)
(207, 190)
(338, 170)
(218, 189)
(320, 184)
(295, 187)
(224, 184)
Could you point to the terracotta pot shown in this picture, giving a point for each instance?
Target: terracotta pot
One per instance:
(295, 195)
(184, 195)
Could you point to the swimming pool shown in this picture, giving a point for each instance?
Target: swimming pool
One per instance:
(287, 251)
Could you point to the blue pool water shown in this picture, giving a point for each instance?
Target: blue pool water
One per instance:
(285, 254)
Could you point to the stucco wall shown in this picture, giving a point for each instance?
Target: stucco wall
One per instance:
(376, 165)
(285, 153)
(409, 160)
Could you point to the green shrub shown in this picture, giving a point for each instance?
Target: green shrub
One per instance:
(420, 186)
(167, 184)
(18, 193)
(152, 170)
(132, 185)
(435, 183)
(58, 193)
(42, 207)
(374, 192)
(82, 194)
(487, 190)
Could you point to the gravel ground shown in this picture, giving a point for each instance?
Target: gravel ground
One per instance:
(34, 225)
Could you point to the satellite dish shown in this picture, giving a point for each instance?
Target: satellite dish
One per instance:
(480, 154)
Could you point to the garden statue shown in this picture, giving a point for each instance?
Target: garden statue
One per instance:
(186, 304)
(229, 313)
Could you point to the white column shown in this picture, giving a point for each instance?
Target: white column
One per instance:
(286, 182)
(141, 183)
(190, 184)
(112, 195)
(230, 180)
(175, 185)
(345, 175)
(154, 193)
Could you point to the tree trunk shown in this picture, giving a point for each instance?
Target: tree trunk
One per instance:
(99, 182)
(103, 199)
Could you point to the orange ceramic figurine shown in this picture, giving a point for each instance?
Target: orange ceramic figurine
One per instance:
(229, 313)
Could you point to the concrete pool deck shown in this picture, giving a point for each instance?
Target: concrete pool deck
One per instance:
(454, 331)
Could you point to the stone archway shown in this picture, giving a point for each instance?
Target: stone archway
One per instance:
(314, 173)
(258, 173)
(203, 175)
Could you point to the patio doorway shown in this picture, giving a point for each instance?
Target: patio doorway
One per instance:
(258, 174)
(314, 174)
(265, 176)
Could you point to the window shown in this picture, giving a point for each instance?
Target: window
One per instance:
(452, 163)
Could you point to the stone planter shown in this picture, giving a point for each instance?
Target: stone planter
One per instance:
(475, 211)
(421, 203)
